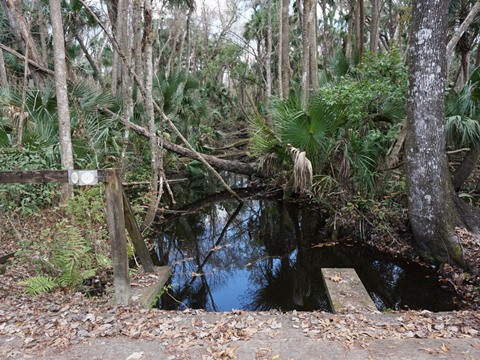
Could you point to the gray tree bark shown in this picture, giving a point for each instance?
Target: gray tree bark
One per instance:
(284, 61)
(66, 151)
(433, 211)
(156, 190)
(268, 61)
(3, 71)
(374, 26)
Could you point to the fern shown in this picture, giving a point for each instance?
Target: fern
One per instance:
(72, 255)
(39, 284)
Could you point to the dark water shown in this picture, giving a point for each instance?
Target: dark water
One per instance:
(267, 254)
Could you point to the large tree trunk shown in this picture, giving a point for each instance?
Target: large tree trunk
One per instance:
(433, 212)
(66, 152)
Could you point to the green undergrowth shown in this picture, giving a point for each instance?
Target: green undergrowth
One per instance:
(72, 248)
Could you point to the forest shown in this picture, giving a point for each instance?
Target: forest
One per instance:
(368, 110)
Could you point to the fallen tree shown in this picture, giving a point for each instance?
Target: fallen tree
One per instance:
(234, 166)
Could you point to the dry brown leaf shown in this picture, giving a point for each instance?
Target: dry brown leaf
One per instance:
(445, 348)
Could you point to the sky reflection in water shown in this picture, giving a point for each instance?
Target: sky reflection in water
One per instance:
(267, 254)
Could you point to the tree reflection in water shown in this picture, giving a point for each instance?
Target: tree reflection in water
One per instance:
(268, 254)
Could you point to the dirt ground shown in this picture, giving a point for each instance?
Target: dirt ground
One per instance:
(70, 326)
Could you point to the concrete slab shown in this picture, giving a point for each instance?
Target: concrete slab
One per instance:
(144, 295)
(346, 292)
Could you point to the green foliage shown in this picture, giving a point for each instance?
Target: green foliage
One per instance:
(346, 126)
(374, 91)
(165, 290)
(70, 252)
(68, 263)
(463, 114)
(39, 284)
(26, 198)
(183, 100)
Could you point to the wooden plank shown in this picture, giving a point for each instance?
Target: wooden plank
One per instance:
(34, 176)
(146, 296)
(40, 176)
(118, 238)
(136, 236)
(346, 292)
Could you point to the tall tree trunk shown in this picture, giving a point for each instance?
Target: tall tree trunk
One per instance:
(433, 212)
(284, 61)
(360, 29)
(313, 33)
(156, 192)
(114, 11)
(350, 28)
(42, 33)
(188, 39)
(3, 71)
(310, 57)
(268, 61)
(374, 26)
(137, 41)
(66, 152)
(123, 25)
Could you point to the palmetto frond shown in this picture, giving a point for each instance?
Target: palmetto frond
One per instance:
(463, 115)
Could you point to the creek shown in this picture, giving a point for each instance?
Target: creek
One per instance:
(266, 253)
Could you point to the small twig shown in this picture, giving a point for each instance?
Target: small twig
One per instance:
(457, 151)
(17, 233)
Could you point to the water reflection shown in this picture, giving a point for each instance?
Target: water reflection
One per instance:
(268, 254)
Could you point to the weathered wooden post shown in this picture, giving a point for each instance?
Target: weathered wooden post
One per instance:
(118, 238)
(136, 236)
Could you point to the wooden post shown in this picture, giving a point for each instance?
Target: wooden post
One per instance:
(136, 236)
(118, 238)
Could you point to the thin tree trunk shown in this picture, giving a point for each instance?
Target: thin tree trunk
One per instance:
(66, 152)
(313, 34)
(350, 28)
(126, 65)
(284, 61)
(268, 62)
(3, 71)
(156, 192)
(306, 75)
(465, 168)
(137, 40)
(43, 33)
(188, 40)
(374, 26)
(96, 72)
(460, 31)
(115, 10)
(360, 29)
